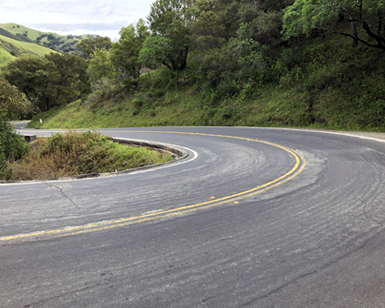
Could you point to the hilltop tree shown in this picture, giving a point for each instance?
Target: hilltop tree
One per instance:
(125, 52)
(88, 46)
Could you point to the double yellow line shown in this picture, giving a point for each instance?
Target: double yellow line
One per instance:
(299, 165)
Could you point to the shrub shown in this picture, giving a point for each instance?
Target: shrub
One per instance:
(12, 147)
(78, 153)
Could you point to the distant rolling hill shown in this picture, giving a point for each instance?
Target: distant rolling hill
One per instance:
(11, 48)
(16, 40)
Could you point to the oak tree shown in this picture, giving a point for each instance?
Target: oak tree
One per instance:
(11, 100)
(48, 81)
(169, 23)
(88, 46)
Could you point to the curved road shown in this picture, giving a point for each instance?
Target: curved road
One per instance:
(252, 218)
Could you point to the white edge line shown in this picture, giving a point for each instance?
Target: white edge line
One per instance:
(196, 155)
(347, 133)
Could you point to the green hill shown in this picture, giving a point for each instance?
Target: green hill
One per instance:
(16, 40)
(65, 43)
(11, 48)
(5, 57)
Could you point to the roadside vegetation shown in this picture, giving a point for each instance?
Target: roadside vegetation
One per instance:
(74, 153)
(12, 147)
(220, 62)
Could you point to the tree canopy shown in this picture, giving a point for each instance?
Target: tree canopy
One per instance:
(171, 33)
(88, 46)
(11, 100)
(125, 52)
(306, 16)
(100, 66)
(48, 81)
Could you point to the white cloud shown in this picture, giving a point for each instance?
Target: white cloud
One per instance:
(75, 16)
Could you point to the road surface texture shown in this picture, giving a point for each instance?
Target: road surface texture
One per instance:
(251, 218)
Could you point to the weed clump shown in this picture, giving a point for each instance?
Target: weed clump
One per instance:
(74, 153)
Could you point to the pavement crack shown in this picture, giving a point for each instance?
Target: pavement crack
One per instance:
(61, 189)
(209, 298)
(366, 212)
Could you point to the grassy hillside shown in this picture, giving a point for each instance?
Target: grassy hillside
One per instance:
(18, 31)
(10, 48)
(25, 47)
(16, 40)
(65, 43)
(5, 57)
(322, 82)
(332, 86)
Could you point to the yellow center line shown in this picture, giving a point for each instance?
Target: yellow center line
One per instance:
(299, 165)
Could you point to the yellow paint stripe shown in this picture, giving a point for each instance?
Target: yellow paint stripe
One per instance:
(300, 164)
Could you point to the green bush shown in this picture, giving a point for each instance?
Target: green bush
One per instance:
(12, 146)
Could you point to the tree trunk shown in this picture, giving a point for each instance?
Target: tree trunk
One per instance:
(33, 103)
(354, 32)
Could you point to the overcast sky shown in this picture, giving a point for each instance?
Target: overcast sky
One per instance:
(76, 17)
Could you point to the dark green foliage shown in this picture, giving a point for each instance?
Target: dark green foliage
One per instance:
(305, 17)
(159, 92)
(138, 104)
(130, 84)
(48, 81)
(12, 146)
(125, 52)
(24, 38)
(88, 46)
(170, 43)
(11, 100)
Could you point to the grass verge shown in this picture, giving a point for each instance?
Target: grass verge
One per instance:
(74, 153)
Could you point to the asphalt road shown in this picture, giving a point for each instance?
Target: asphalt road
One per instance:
(252, 218)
